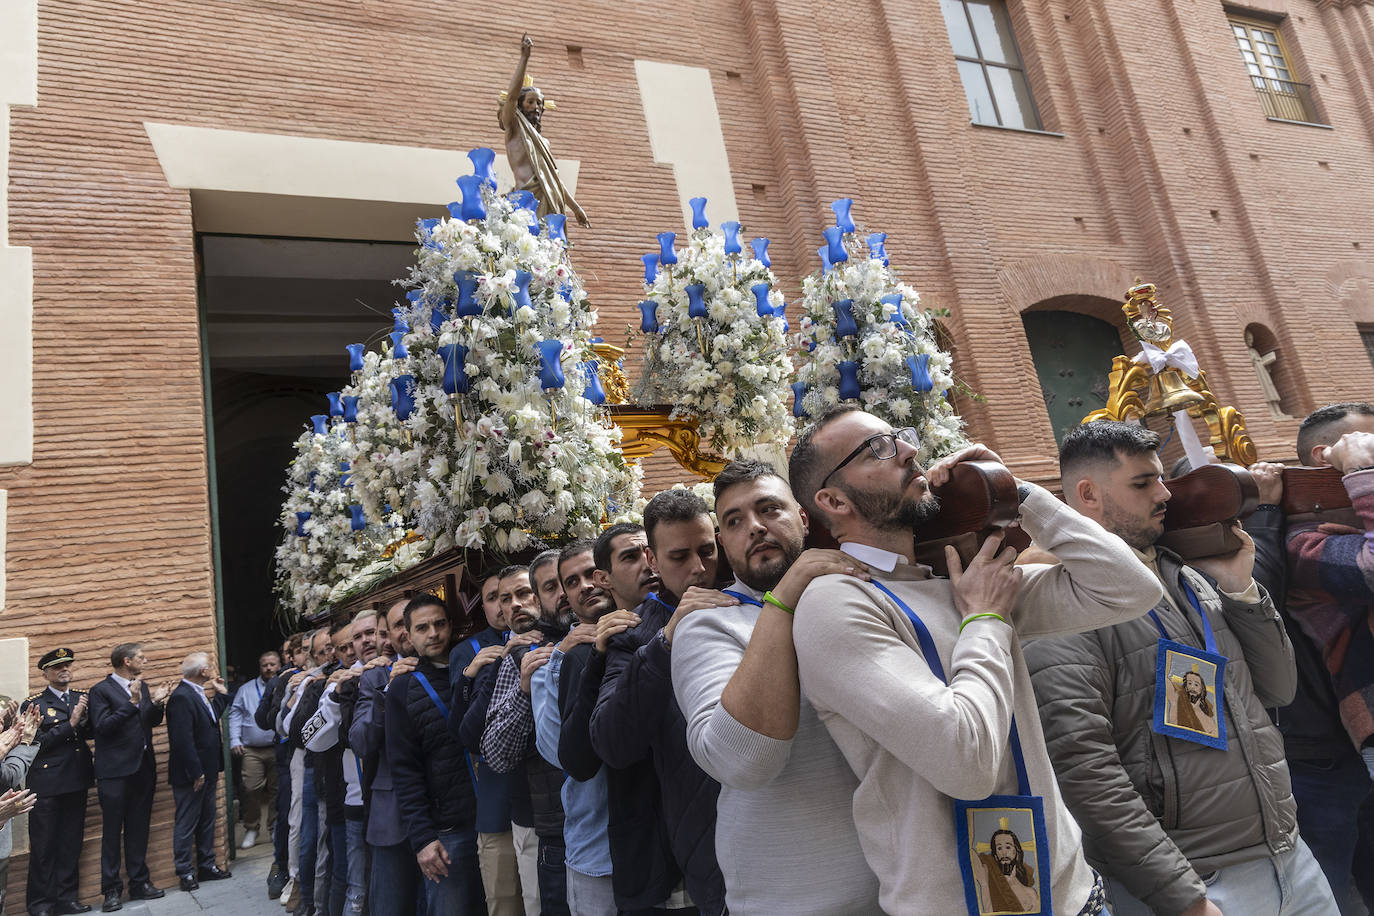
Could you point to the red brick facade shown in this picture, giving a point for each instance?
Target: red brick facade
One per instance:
(1157, 161)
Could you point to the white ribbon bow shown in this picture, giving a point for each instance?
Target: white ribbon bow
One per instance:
(1179, 356)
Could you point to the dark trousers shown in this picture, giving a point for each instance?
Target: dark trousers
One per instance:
(460, 892)
(394, 884)
(338, 866)
(281, 832)
(126, 806)
(55, 828)
(193, 837)
(1328, 794)
(553, 878)
(309, 840)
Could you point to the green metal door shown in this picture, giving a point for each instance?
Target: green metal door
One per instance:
(1073, 353)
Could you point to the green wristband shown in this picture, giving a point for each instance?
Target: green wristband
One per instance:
(769, 599)
(972, 617)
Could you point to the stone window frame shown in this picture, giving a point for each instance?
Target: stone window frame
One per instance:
(1002, 16)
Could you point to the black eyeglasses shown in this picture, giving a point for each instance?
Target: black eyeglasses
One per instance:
(883, 446)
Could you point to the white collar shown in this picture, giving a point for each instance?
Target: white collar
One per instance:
(876, 557)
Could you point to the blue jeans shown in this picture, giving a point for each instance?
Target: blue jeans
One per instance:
(356, 857)
(338, 867)
(395, 881)
(1328, 793)
(461, 892)
(309, 839)
(1288, 885)
(553, 878)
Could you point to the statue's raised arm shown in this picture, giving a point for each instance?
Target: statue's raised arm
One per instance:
(522, 116)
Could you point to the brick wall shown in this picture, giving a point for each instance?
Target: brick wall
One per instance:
(1164, 167)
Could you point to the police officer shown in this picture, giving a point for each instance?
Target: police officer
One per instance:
(61, 776)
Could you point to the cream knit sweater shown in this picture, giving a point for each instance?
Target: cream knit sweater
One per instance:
(915, 743)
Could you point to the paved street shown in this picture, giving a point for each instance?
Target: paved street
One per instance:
(245, 894)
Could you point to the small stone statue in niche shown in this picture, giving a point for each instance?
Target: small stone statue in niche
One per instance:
(1263, 366)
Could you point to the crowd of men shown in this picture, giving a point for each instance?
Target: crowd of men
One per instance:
(1093, 726)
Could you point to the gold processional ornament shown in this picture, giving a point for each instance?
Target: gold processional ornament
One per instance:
(1164, 379)
(644, 430)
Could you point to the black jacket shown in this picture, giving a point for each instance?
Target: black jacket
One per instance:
(194, 748)
(123, 731)
(63, 762)
(266, 714)
(637, 719)
(493, 788)
(426, 759)
(1311, 724)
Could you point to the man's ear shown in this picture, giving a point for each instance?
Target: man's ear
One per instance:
(1316, 458)
(1085, 495)
(601, 579)
(832, 502)
(653, 562)
(805, 520)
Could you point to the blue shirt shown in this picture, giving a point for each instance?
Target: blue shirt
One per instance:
(585, 804)
(243, 728)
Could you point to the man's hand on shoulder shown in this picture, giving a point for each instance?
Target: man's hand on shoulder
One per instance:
(613, 624)
(582, 633)
(343, 674)
(378, 662)
(695, 599)
(528, 638)
(484, 657)
(532, 662)
(1233, 571)
(812, 564)
(404, 666)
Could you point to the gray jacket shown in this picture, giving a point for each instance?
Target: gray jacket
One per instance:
(14, 769)
(1158, 812)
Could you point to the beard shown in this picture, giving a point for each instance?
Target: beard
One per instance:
(1006, 865)
(536, 118)
(907, 514)
(766, 574)
(1194, 698)
(1137, 533)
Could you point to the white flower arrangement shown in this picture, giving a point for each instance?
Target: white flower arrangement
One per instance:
(859, 314)
(728, 367)
(319, 547)
(507, 464)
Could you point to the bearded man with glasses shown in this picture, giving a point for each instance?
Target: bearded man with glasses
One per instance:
(920, 681)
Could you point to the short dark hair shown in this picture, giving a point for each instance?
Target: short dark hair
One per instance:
(675, 505)
(601, 553)
(805, 468)
(422, 600)
(1100, 442)
(511, 570)
(122, 651)
(336, 627)
(742, 470)
(1320, 423)
(575, 548)
(542, 559)
(262, 655)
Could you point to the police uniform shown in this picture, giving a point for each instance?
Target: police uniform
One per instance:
(61, 776)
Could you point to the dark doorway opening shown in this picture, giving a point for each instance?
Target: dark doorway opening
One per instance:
(278, 313)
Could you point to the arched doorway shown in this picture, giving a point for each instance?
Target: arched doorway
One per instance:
(1073, 355)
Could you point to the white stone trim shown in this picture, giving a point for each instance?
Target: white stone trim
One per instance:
(685, 132)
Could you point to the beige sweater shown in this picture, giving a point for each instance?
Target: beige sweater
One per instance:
(916, 743)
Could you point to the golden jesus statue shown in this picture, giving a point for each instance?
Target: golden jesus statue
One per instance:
(521, 114)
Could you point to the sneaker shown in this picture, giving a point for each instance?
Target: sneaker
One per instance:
(276, 881)
(250, 839)
(290, 895)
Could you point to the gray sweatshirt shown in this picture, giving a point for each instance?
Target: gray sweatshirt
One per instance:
(917, 743)
(785, 838)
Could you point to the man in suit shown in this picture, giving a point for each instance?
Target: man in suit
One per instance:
(61, 776)
(123, 713)
(195, 757)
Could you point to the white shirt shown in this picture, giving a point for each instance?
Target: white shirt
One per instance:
(876, 557)
(201, 690)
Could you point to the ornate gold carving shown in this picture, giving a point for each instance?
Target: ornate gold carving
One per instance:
(390, 550)
(647, 429)
(613, 380)
(1130, 384)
